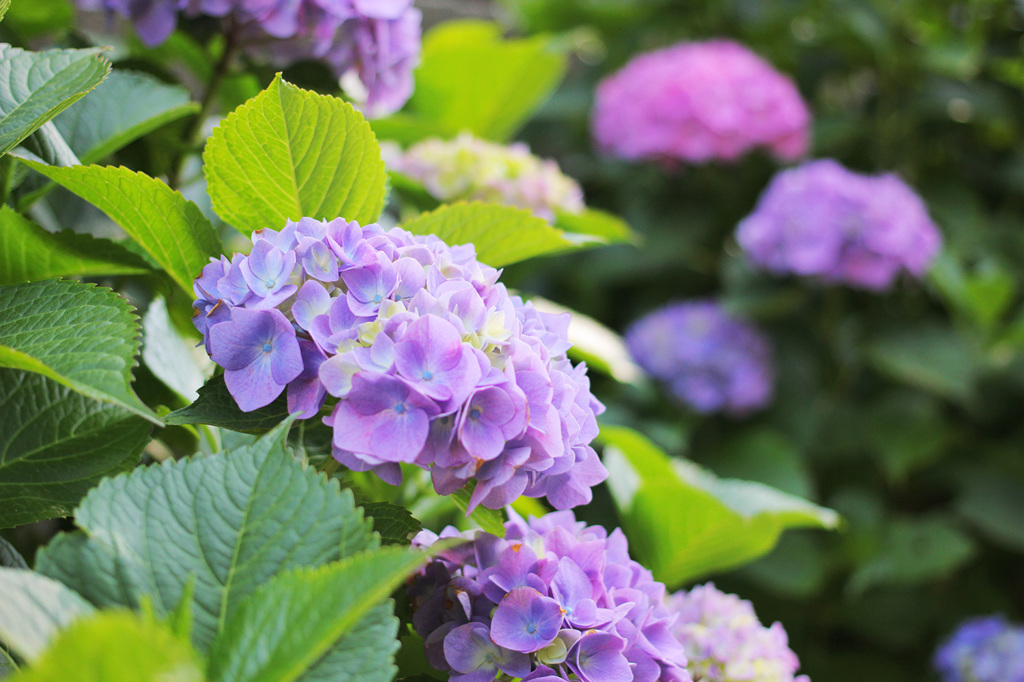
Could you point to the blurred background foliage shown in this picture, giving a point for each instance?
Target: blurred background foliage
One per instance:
(902, 411)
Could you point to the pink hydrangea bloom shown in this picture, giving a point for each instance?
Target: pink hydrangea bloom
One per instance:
(694, 102)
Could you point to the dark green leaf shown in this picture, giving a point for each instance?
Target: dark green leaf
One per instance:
(216, 407)
(9, 556)
(933, 358)
(395, 524)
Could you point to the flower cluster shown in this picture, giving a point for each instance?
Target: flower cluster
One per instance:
(433, 362)
(710, 360)
(554, 599)
(699, 101)
(823, 220)
(470, 168)
(725, 642)
(983, 650)
(376, 40)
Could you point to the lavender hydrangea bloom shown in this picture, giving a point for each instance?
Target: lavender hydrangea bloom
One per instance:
(725, 642)
(432, 361)
(375, 41)
(822, 220)
(563, 597)
(986, 649)
(710, 360)
(473, 169)
(694, 102)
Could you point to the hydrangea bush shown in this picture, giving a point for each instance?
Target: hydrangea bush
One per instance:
(983, 650)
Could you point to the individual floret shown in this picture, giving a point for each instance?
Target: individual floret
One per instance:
(986, 649)
(473, 169)
(709, 359)
(431, 361)
(554, 600)
(725, 642)
(696, 102)
(823, 220)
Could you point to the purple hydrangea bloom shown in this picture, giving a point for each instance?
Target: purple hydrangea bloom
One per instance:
(562, 597)
(725, 642)
(468, 168)
(431, 361)
(709, 359)
(694, 102)
(822, 220)
(986, 649)
(377, 42)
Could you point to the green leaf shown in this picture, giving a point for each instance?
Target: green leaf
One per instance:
(289, 153)
(34, 609)
(490, 520)
(125, 107)
(169, 356)
(232, 521)
(683, 522)
(9, 556)
(933, 358)
(394, 524)
(79, 335)
(295, 619)
(36, 86)
(116, 647)
(913, 551)
(590, 221)
(994, 504)
(501, 234)
(4, 6)
(216, 407)
(30, 253)
(55, 445)
(170, 228)
(470, 78)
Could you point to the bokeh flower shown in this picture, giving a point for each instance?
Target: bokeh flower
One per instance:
(820, 219)
(988, 649)
(725, 642)
(695, 102)
(554, 598)
(431, 361)
(473, 169)
(709, 360)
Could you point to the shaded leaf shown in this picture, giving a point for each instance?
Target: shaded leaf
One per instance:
(34, 609)
(932, 358)
(169, 356)
(215, 406)
(9, 556)
(394, 524)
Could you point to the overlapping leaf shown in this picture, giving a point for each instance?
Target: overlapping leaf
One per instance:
(216, 406)
(34, 609)
(289, 153)
(82, 336)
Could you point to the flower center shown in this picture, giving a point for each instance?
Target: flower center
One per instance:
(531, 628)
(378, 298)
(474, 413)
(267, 348)
(427, 375)
(271, 282)
(400, 408)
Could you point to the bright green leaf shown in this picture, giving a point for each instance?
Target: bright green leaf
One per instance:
(490, 520)
(232, 521)
(295, 619)
(289, 153)
(169, 227)
(80, 335)
(590, 221)
(30, 253)
(501, 234)
(215, 406)
(394, 524)
(116, 646)
(56, 444)
(4, 6)
(683, 522)
(34, 609)
(36, 86)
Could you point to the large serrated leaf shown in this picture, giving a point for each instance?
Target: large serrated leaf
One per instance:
(500, 234)
(56, 444)
(294, 620)
(232, 521)
(34, 609)
(169, 227)
(216, 406)
(36, 86)
(79, 335)
(116, 646)
(29, 253)
(9, 556)
(394, 524)
(683, 522)
(289, 153)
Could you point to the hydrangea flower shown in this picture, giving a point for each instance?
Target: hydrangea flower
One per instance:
(431, 361)
(552, 601)
(473, 169)
(988, 649)
(725, 642)
(820, 219)
(709, 359)
(694, 102)
(377, 41)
